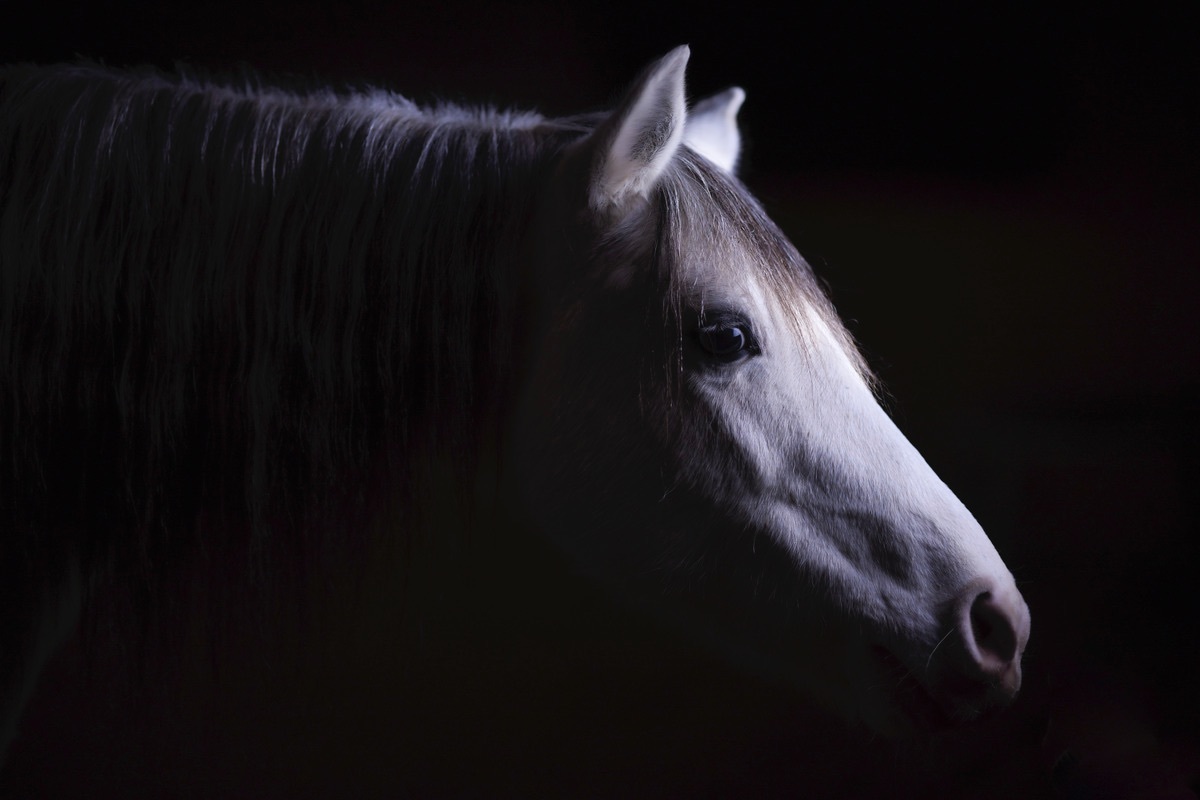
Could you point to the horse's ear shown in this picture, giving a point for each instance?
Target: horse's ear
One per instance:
(712, 129)
(639, 139)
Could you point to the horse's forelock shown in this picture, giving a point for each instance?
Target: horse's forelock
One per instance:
(705, 213)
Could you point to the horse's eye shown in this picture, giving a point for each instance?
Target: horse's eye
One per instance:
(727, 340)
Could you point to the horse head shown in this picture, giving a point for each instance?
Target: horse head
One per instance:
(698, 427)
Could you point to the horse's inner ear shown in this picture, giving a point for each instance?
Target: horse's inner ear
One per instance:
(712, 129)
(640, 138)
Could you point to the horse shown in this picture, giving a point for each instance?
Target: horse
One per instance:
(289, 374)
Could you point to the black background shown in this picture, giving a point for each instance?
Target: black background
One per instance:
(1005, 206)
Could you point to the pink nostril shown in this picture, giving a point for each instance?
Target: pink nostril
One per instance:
(977, 666)
(994, 629)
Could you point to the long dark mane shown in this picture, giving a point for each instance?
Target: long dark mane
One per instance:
(228, 308)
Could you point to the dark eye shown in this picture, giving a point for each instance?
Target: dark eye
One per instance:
(727, 340)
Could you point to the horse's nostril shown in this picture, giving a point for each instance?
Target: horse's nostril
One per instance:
(978, 667)
(995, 629)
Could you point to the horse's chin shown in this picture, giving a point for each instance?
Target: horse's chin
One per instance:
(900, 706)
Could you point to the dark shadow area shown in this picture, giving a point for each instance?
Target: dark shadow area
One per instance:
(1005, 207)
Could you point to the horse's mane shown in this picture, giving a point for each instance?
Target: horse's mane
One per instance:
(233, 316)
(218, 302)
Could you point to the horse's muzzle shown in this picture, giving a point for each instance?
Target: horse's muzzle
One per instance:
(975, 668)
(978, 667)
